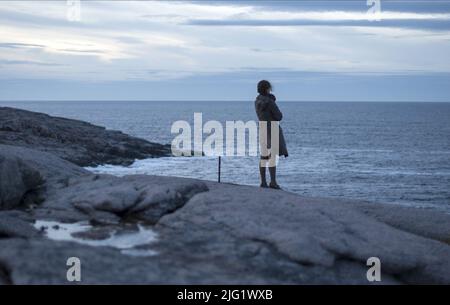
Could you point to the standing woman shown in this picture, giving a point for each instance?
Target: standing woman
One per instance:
(268, 111)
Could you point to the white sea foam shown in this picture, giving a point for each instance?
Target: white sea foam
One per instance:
(188, 167)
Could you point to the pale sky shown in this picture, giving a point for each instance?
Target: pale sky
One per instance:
(218, 50)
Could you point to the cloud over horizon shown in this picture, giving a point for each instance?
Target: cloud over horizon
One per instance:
(238, 42)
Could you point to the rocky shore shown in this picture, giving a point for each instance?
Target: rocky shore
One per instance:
(79, 142)
(167, 230)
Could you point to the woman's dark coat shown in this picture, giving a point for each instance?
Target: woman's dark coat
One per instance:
(267, 110)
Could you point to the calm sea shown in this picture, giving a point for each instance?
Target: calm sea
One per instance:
(382, 152)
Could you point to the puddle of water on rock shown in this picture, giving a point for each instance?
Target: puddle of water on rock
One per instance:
(125, 242)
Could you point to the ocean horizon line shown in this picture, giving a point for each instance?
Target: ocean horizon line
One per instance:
(219, 101)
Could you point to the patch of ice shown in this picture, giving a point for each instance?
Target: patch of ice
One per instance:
(62, 231)
(125, 241)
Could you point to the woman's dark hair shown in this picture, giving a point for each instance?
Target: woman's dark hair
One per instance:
(264, 87)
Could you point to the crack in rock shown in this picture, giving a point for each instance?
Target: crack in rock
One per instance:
(5, 275)
(17, 178)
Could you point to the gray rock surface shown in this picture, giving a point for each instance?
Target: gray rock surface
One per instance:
(103, 198)
(230, 234)
(51, 168)
(315, 234)
(427, 223)
(11, 225)
(76, 141)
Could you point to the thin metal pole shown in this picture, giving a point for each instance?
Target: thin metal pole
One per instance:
(220, 161)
